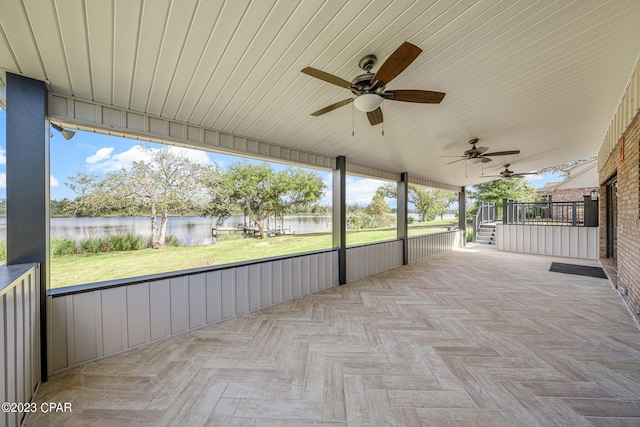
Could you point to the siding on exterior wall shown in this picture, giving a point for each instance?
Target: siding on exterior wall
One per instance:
(91, 325)
(573, 242)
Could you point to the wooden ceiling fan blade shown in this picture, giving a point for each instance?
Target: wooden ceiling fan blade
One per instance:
(419, 96)
(396, 63)
(332, 107)
(481, 150)
(330, 78)
(502, 153)
(375, 116)
(486, 159)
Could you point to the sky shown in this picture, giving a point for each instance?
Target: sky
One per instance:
(97, 154)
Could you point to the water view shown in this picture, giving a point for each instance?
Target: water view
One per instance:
(190, 230)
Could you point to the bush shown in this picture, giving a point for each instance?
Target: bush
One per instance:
(3, 251)
(126, 242)
(171, 240)
(94, 245)
(469, 236)
(61, 247)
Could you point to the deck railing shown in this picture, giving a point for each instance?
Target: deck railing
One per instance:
(582, 213)
(20, 336)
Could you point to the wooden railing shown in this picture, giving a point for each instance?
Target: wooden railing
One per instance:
(20, 336)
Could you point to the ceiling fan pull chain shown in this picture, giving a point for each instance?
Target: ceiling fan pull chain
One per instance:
(353, 120)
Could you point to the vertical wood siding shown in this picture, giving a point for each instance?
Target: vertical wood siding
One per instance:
(572, 242)
(20, 336)
(622, 118)
(91, 325)
(431, 244)
(365, 260)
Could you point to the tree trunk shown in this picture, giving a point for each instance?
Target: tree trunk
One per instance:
(263, 232)
(163, 228)
(154, 228)
(424, 216)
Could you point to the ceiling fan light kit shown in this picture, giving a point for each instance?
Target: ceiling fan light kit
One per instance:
(474, 160)
(367, 102)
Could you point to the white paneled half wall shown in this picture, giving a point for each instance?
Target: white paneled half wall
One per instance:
(556, 240)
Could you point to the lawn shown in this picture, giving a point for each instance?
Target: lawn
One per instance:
(89, 268)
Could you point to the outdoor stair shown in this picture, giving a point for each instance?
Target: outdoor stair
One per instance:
(486, 234)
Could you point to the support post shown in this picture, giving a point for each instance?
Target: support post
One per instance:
(402, 215)
(28, 186)
(505, 211)
(340, 216)
(462, 214)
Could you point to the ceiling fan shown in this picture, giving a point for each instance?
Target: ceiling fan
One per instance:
(479, 155)
(509, 174)
(369, 88)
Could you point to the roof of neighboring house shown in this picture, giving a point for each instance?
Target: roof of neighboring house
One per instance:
(548, 187)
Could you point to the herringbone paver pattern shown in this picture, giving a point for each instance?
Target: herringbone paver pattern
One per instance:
(467, 338)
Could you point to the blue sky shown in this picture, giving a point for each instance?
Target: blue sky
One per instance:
(93, 153)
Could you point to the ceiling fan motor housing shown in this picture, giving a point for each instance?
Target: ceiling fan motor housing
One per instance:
(362, 84)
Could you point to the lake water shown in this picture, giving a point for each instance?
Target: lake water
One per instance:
(190, 230)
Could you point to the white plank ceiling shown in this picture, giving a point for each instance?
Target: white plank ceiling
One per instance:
(543, 77)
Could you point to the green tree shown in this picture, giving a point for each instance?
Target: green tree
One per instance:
(93, 195)
(498, 189)
(167, 183)
(428, 202)
(442, 200)
(378, 210)
(262, 192)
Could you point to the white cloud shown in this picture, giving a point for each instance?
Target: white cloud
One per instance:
(3, 157)
(53, 182)
(101, 154)
(104, 161)
(196, 156)
(361, 190)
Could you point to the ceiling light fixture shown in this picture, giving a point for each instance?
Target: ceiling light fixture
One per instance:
(66, 133)
(367, 102)
(474, 160)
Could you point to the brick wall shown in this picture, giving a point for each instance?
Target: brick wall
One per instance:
(571, 194)
(626, 165)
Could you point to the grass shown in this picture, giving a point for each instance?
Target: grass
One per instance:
(77, 269)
